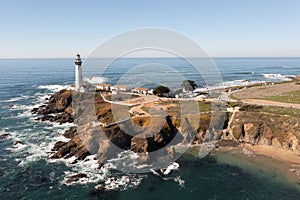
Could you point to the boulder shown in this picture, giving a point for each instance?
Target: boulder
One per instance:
(71, 132)
(4, 136)
(58, 145)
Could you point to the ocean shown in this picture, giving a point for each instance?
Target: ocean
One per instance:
(26, 172)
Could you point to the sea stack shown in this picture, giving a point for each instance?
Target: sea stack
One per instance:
(78, 73)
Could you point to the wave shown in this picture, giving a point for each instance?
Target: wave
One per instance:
(172, 167)
(53, 88)
(95, 79)
(14, 99)
(279, 76)
(22, 107)
(234, 83)
(104, 178)
(287, 67)
(120, 183)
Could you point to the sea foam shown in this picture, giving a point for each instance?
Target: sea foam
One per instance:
(95, 79)
(53, 88)
(278, 77)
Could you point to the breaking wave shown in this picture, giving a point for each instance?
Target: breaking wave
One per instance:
(279, 77)
(53, 88)
(95, 79)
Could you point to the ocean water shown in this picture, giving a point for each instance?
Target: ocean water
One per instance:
(26, 172)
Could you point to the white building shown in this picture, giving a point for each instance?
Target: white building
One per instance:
(78, 73)
(103, 86)
(122, 88)
(140, 90)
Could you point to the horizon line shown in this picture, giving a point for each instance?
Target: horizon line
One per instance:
(213, 57)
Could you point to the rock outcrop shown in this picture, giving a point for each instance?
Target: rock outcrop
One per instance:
(258, 128)
(58, 109)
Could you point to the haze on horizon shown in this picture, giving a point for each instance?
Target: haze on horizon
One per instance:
(60, 29)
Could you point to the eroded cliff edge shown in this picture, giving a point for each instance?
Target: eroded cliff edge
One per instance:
(250, 124)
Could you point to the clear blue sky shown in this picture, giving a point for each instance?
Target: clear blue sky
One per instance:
(225, 28)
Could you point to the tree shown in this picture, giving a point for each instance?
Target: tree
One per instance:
(161, 90)
(188, 85)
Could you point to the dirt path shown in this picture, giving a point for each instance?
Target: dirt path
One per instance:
(138, 111)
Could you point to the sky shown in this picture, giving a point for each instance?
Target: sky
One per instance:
(224, 28)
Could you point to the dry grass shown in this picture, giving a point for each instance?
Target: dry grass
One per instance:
(266, 91)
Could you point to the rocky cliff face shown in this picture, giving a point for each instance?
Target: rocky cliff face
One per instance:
(59, 104)
(266, 129)
(107, 141)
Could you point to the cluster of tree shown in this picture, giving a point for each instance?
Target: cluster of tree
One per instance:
(187, 86)
(161, 90)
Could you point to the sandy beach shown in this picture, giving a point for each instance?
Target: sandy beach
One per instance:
(276, 153)
(283, 163)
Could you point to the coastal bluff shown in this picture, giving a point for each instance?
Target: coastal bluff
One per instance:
(250, 125)
(258, 126)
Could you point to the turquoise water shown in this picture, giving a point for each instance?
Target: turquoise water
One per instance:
(27, 173)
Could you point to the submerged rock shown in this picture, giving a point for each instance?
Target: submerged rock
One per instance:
(17, 142)
(4, 136)
(75, 178)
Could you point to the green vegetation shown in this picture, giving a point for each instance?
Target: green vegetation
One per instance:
(273, 118)
(288, 97)
(161, 90)
(231, 96)
(250, 107)
(281, 111)
(275, 110)
(204, 106)
(231, 104)
(188, 85)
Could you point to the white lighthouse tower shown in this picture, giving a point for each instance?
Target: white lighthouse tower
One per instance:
(78, 73)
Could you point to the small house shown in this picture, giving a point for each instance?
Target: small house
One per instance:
(122, 88)
(140, 90)
(103, 86)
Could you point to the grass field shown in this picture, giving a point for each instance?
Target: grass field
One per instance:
(288, 97)
(275, 110)
(281, 111)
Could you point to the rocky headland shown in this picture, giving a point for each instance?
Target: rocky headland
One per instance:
(241, 124)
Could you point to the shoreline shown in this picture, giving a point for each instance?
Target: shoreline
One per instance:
(275, 153)
(284, 163)
(60, 103)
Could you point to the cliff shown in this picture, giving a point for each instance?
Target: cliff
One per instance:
(258, 127)
(59, 104)
(254, 126)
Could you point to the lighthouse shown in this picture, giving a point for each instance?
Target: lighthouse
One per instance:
(78, 73)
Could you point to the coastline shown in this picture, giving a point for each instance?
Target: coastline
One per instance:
(280, 162)
(60, 104)
(284, 163)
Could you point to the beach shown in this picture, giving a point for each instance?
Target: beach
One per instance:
(283, 162)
